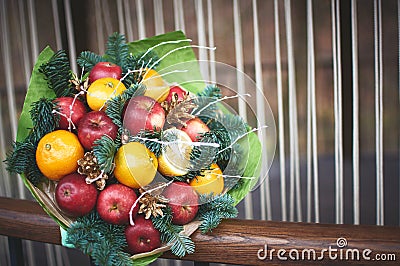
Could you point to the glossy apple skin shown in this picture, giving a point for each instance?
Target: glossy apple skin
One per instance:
(115, 202)
(183, 201)
(178, 91)
(74, 196)
(105, 70)
(195, 128)
(143, 112)
(93, 126)
(72, 108)
(142, 237)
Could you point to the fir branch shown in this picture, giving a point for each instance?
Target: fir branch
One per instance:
(137, 62)
(154, 147)
(102, 241)
(117, 49)
(214, 210)
(22, 160)
(87, 60)
(104, 150)
(211, 91)
(43, 118)
(172, 234)
(115, 106)
(58, 74)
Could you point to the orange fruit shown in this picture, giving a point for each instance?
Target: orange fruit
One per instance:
(135, 165)
(102, 90)
(57, 154)
(211, 181)
(156, 87)
(175, 156)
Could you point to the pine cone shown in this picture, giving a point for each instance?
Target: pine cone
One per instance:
(151, 203)
(89, 167)
(180, 114)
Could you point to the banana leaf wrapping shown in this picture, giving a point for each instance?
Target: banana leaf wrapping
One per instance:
(38, 88)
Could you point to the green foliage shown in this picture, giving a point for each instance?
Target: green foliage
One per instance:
(117, 49)
(104, 242)
(58, 74)
(87, 60)
(104, 150)
(153, 146)
(172, 234)
(22, 160)
(115, 106)
(43, 118)
(137, 62)
(211, 91)
(214, 210)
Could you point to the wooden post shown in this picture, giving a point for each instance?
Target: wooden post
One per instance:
(245, 242)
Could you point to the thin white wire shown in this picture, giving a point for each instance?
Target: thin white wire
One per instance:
(240, 86)
(312, 142)
(24, 42)
(70, 35)
(293, 127)
(128, 19)
(356, 145)
(56, 19)
(265, 195)
(201, 34)
(337, 110)
(239, 57)
(158, 17)
(309, 137)
(378, 112)
(281, 124)
(121, 20)
(213, 71)
(140, 19)
(33, 30)
(179, 16)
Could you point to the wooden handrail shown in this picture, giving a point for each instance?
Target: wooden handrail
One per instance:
(245, 242)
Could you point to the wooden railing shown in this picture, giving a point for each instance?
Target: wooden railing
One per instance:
(245, 242)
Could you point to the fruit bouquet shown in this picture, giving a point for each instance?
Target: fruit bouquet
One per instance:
(135, 153)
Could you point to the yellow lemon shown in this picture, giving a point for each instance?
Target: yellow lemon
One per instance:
(102, 90)
(175, 155)
(57, 154)
(211, 181)
(156, 87)
(135, 165)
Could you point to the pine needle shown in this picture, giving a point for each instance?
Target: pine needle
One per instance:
(58, 74)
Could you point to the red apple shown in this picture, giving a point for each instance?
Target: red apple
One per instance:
(143, 112)
(178, 91)
(183, 201)
(74, 196)
(115, 202)
(142, 237)
(93, 126)
(195, 128)
(71, 111)
(105, 70)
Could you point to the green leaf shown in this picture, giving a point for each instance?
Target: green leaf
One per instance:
(167, 64)
(252, 169)
(37, 89)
